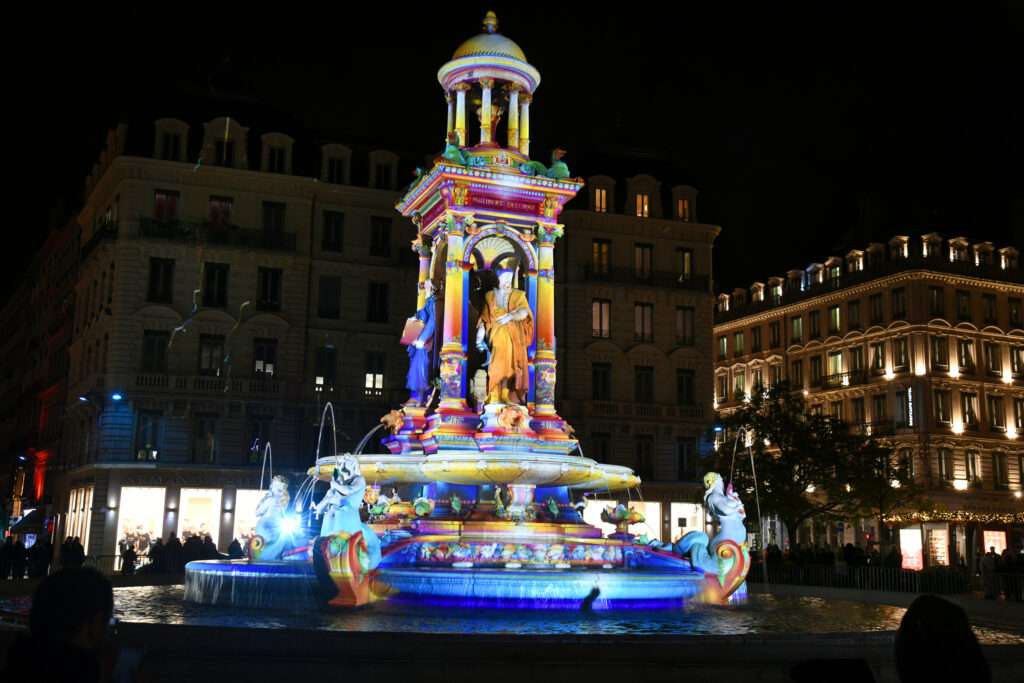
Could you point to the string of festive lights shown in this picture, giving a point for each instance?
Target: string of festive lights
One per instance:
(957, 516)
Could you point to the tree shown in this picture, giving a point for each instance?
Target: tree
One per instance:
(880, 484)
(799, 456)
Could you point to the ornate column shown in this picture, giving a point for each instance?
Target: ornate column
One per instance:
(513, 116)
(453, 349)
(460, 112)
(524, 124)
(545, 360)
(451, 114)
(423, 252)
(486, 84)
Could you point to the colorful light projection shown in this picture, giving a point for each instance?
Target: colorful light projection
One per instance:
(140, 521)
(200, 514)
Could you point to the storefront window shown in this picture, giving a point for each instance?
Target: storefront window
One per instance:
(995, 539)
(199, 514)
(651, 511)
(141, 518)
(685, 517)
(911, 550)
(79, 515)
(245, 515)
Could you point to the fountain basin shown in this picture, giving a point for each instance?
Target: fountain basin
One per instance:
(281, 584)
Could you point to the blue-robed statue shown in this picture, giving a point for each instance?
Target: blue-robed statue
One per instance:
(421, 352)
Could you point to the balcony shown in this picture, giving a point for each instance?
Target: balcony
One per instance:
(220, 235)
(843, 379)
(650, 278)
(200, 384)
(879, 428)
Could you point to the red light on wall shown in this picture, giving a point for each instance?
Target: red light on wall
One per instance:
(39, 474)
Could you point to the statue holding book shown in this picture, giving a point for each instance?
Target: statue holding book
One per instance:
(505, 329)
(419, 337)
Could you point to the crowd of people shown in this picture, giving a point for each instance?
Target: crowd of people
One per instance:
(1002, 573)
(172, 556)
(803, 555)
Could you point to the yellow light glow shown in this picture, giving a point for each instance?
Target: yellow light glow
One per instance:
(806, 393)
(810, 488)
(954, 371)
(958, 427)
(1007, 377)
(1016, 494)
(1011, 432)
(895, 483)
(920, 369)
(890, 375)
(960, 484)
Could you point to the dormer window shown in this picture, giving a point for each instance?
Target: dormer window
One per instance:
(1008, 259)
(225, 153)
(382, 175)
(276, 160)
(601, 200)
(170, 146)
(170, 139)
(643, 205)
(776, 294)
(336, 171)
(683, 209)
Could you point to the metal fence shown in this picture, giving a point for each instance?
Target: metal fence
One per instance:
(112, 564)
(942, 580)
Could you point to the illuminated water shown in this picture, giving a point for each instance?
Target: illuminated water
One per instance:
(761, 614)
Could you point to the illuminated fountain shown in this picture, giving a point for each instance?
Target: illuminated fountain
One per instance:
(477, 499)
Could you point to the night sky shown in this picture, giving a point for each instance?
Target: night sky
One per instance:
(808, 130)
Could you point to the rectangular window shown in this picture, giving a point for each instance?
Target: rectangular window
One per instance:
(814, 322)
(775, 372)
(225, 153)
(329, 297)
(684, 386)
(737, 344)
(600, 312)
(380, 236)
(940, 353)
(904, 408)
(739, 384)
(857, 408)
(644, 445)
(835, 367)
(856, 359)
(965, 355)
(170, 146)
(991, 316)
(757, 379)
(264, 354)
(755, 339)
(643, 384)
(775, 294)
(643, 322)
(796, 329)
(1017, 361)
(161, 280)
(963, 305)
(204, 439)
(683, 209)
(774, 335)
(273, 218)
(373, 383)
(684, 263)
(377, 304)
(1015, 312)
(946, 469)
(165, 205)
(147, 434)
(601, 381)
(334, 231)
(684, 326)
(999, 471)
(815, 371)
(878, 407)
(796, 374)
(900, 356)
(723, 347)
(211, 355)
(336, 171)
(269, 285)
(853, 315)
(600, 446)
(877, 315)
(993, 359)
(973, 462)
(996, 413)
(601, 200)
(899, 303)
(1018, 418)
(878, 358)
(937, 302)
(686, 457)
(154, 351)
(643, 255)
(221, 208)
(643, 205)
(326, 368)
(723, 388)
(276, 159)
(969, 409)
(600, 258)
(215, 285)
(943, 406)
(906, 464)
(259, 434)
(834, 322)
(836, 410)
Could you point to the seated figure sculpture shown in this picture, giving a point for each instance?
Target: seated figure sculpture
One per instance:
(506, 327)
(270, 540)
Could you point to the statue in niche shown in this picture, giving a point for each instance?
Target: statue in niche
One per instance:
(505, 328)
(418, 379)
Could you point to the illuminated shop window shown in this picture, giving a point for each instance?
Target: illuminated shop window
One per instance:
(199, 514)
(140, 517)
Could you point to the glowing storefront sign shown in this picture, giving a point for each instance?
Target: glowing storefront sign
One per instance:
(911, 549)
(200, 514)
(938, 545)
(141, 518)
(245, 515)
(995, 539)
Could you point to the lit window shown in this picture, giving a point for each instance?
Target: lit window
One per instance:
(600, 313)
(683, 209)
(374, 378)
(642, 205)
(601, 200)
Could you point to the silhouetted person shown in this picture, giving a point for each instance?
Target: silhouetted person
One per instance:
(989, 580)
(68, 631)
(39, 558)
(191, 550)
(935, 643)
(128, 558)
(173, 552)
(157, 557)
(210, 551)
(5, 558)
(235, 551)
(19, 559)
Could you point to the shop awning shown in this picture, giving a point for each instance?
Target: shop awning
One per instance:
(32, 523)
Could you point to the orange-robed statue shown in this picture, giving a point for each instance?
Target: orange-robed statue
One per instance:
(506, 323)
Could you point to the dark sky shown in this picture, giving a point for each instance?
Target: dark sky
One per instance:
(807, 129)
